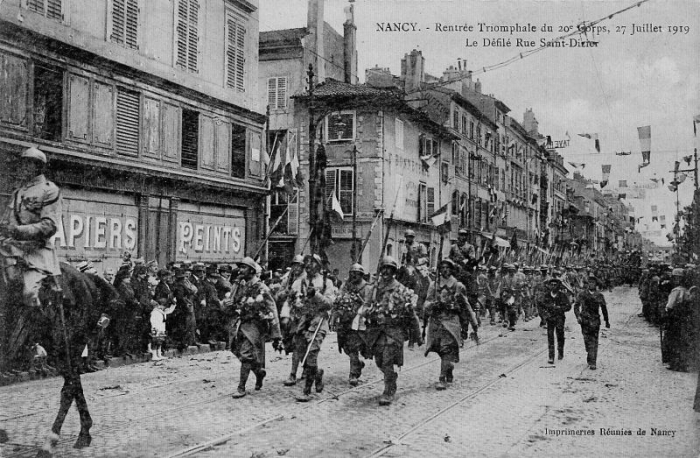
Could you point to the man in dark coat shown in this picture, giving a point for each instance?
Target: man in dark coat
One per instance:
(390, 317)
(555, 303)
(347, 321)
(449, 312)
(587, 308)
(255, 321)
(182, 322)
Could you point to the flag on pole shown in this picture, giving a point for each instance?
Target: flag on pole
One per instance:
(592, 137)
(644, 133)
(441, 218)
(336, 207)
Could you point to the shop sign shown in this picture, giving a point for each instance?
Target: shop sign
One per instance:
(210, 238)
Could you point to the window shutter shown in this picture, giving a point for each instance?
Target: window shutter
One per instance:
(430, 202)
(272, 92)
(13, 90)
(53, 9)
(103, 114)
(132, 22)
(190, 139)
(282, 92)
(79, 108)
(36, 5)
(118, 21)
(223, 145)
(128, 114)
(330, 182)
(240, 57)
(207, 142)
(293, 215)
(171, 132)
(181, 31)
(151, 127)
(193, 36)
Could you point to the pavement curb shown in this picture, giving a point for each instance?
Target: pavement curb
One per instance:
(27, 376)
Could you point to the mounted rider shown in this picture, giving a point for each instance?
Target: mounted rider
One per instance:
(28, 225)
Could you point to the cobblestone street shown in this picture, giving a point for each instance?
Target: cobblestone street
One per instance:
(505, 401)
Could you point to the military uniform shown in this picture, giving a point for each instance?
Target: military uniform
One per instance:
(450, 313)
(390, 318)
(349, 323)
(255, 320)
(587, 309)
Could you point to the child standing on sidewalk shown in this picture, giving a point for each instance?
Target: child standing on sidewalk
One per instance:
(158, 316)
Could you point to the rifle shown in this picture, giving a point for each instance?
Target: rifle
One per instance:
(369, 234)
(436, 291)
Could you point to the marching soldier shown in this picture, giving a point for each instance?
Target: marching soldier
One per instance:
(348, 322)
(509, 297)
(555, 303)
(389, 317)
(414, 250)
(287, 295)
(587, 308)
(462, 250)
(450, 313)
(310, 324)
(255, 321)
(491, 298)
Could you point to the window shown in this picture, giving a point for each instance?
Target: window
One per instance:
(464, 124)
(125, 20)
(463, 210)
(277, 92)
(190, 139)
(340, 127)
(235, 52)
(340, 180)
(14, 90)
(48, 102)
(471, 130)
(478, 134)
(51, 9)
(455, 119)
(279, 203)
(445, 172)
(399, 134)
(238, 151)
(128, 116)
(187, 35)
(430, 202)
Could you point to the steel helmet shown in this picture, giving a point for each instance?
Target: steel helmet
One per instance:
(298, 259)
(357, 267)
(389, 261)
(34, 153)
(409, 233)
(447, 261)
(248, 261)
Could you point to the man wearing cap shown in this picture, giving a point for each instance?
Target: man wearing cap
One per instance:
(450, 315)
(678, 313)
(555, 303)
(285, 296)
(255, 320)
(462, 250)
(27, 226)
(509, 297)
(310, 323)
(390, 318)
(347, 320)
(413, 250)
(587, 308)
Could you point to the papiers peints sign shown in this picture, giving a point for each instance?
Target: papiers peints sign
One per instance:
(210, 233)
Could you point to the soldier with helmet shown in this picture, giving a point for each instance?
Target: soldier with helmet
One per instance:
(348, 322)
(414, 250)
(450, 315)
(28, 225)
(286, 295)
(390, 317)
(587, 308)
(255, 320)
(309, 312)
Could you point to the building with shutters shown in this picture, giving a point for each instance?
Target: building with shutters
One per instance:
(284, 59)
(148, 111)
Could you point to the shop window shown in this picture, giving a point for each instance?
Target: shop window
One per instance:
(125, 21)
(190, 139)
(238, 151)
(340, 127)
(128, 116)
(187, 35)
(277, 92)
(13, 90)
(48, 103)
(51, 9)
(235, 52)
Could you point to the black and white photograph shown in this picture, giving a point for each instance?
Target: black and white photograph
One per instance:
(349, 228)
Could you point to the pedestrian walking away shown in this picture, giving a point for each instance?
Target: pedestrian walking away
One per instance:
(587, 308)
(555, 304)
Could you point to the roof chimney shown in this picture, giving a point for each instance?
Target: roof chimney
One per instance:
(314, 24)
(477, 85)
(412, 70)
(350, 46)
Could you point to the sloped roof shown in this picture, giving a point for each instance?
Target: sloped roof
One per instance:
(272, 37)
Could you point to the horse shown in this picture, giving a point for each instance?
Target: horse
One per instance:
(74, 315)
